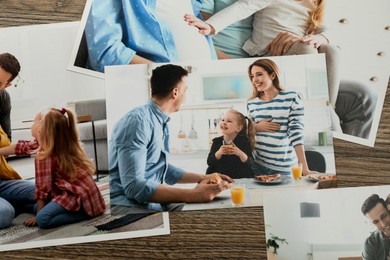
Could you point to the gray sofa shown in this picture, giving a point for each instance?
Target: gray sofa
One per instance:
(355, 107)
(97, 110)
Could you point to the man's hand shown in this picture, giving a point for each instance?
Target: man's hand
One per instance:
(282, 43)
(224, 177)
(204, 28)
(206, 192)
(267, 125)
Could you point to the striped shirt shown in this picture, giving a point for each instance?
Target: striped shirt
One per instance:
(275, 150)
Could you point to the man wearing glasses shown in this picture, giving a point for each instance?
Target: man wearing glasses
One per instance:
(16, 195)
(9, 70)
(377, 245)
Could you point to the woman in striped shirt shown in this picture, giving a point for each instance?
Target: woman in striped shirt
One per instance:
(278, 116)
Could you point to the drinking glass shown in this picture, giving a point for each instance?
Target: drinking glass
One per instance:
(238, 194)
(297, 171)
(227, 143)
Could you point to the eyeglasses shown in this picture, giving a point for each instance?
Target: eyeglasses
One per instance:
(18, 81)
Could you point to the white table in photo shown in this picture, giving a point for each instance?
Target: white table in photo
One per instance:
(254, 193)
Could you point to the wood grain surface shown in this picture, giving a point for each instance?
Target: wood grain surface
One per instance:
(211, 234)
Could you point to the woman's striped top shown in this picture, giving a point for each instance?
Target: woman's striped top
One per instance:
(275, 150)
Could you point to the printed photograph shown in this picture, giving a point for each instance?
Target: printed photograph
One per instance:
(263, 123)
(343, 223)
(183, 30)
(54, 183)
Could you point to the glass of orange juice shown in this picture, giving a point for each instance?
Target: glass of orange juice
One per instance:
(297, 171)
(238, 194)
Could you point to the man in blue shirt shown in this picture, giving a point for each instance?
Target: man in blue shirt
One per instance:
(377, 245)
(120, 32)
(139, 150)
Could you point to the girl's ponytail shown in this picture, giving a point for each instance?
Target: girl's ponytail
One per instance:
(251, 132)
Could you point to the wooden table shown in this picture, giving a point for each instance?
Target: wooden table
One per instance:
(236, 233)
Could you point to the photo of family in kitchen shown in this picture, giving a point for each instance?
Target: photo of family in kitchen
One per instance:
(252, 120)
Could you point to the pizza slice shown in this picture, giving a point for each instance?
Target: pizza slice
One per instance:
(326, 177)
(215, 178)
(268, 178)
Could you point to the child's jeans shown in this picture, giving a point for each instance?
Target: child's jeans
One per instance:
(54, 215)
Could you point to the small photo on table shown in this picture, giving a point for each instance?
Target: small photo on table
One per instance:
(343, 223)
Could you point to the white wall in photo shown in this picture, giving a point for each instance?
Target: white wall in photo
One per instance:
(43, 52)
(203, 115)
(340, 230)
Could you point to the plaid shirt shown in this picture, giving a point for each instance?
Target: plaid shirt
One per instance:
(50, 185)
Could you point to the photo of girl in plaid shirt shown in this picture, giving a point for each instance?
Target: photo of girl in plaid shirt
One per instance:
(65, 190)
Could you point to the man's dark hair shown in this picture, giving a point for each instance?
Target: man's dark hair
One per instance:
(371, 202)
(10, 64)
(165, 78)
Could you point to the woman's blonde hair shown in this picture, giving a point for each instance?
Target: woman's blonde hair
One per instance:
(58, 138)
(316, 16)
(248, 127)
(271, 68)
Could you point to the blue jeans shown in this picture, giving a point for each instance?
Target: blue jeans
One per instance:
(54, 215)
(7, 213)
(259, 169)
(19, 193)
(355, 107)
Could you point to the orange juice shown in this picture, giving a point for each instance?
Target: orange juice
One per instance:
(238, 195)
(297, 171)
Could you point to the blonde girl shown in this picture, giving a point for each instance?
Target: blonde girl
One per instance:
(231, 153)
(65, 190)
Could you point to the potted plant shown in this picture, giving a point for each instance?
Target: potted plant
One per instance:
(273, 244)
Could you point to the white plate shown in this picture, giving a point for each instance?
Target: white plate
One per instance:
(283, 179)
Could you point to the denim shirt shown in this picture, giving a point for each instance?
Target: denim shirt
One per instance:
(138, 154)
(116, 30)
